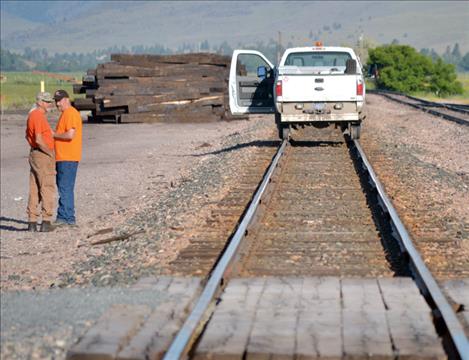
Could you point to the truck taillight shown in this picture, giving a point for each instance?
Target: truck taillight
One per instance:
(360, 88)
(278, 88)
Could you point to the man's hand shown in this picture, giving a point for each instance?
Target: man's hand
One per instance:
(42, 145)
(68, 135)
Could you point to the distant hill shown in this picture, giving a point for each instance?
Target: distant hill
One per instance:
(11, 25)
(82, 26)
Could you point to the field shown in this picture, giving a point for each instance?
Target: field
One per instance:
(18, 89)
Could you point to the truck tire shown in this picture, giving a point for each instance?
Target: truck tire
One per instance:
(279, 125)
(285, 132)
(355, 131)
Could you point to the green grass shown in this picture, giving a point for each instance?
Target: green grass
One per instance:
(18, 89)
(460, 99)
(370, 84)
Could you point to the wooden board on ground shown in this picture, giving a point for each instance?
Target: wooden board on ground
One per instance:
(409, 318)
(320, 318)
(112, 331)
(139, 331)
(155, 336)
(84, 104)
(169, 117)
(163, 88)
(274, 330)
(365, 331)
(319, 332)
(230, 326)
(458, 294)
(191, 58)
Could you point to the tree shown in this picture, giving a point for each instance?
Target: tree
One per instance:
(443, 79)
(403, 69)
(224, 48)
(456, 53)
(12, 62)
(205, 46)
(464, 64)
(434, 55)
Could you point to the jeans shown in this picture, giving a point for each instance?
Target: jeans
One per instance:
(66, 175)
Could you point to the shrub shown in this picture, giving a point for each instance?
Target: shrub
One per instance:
(401, 68)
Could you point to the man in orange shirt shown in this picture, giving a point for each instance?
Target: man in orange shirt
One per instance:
(68, 144)
(42, 163)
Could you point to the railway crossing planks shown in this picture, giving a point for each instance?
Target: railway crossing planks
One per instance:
(111, 332)
(458, 293)
(320, 318)
(132, 331)
(408, 319)
(230, 326)
(166, 320)
(365, 331)
(274, 328)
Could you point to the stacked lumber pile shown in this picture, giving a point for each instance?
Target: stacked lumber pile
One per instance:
(158, 88)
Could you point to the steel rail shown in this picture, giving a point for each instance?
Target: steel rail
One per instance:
(452, 106)
(461, 108)
(452, 323)
(186, 334)
(389, 94)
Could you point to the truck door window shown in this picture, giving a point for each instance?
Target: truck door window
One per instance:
(248, 63)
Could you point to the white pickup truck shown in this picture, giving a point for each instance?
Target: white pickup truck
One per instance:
(317, 86)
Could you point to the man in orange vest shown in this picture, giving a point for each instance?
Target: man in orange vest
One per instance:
(42, 164)
(68, 145)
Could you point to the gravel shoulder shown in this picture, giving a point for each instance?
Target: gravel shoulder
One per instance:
(133, 179)
(152, 184)
(423, 163)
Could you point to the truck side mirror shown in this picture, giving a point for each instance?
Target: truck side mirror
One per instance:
(261, 72)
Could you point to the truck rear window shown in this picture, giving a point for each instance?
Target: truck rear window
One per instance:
(323, 58)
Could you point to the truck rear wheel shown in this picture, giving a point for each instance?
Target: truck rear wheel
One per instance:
(355, 131)
(278, 123)
(285, 133)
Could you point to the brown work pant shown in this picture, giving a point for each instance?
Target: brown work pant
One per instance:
(41, 186)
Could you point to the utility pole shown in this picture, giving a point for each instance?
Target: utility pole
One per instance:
(279, 47)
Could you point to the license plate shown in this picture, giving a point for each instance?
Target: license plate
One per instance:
(319, 106)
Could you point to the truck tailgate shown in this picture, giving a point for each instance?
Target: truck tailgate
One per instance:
(314, 88)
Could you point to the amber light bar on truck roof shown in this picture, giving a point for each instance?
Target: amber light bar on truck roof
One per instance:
(318, 45)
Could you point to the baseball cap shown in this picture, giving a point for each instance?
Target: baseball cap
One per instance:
(60, 94)
(44, 96)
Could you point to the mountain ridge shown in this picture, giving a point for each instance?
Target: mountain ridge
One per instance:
(102, 24)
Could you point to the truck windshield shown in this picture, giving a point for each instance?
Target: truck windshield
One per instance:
(315, 59)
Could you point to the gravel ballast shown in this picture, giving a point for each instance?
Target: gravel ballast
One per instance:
(147, 185)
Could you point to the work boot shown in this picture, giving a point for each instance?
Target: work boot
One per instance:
(32, 226)
(46, 226)
(58, 223)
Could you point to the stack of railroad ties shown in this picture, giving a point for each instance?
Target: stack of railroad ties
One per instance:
(157, 88)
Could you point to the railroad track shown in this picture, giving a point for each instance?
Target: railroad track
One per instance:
(458, 113)
(320, 253)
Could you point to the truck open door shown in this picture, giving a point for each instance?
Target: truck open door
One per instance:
(251, 83)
